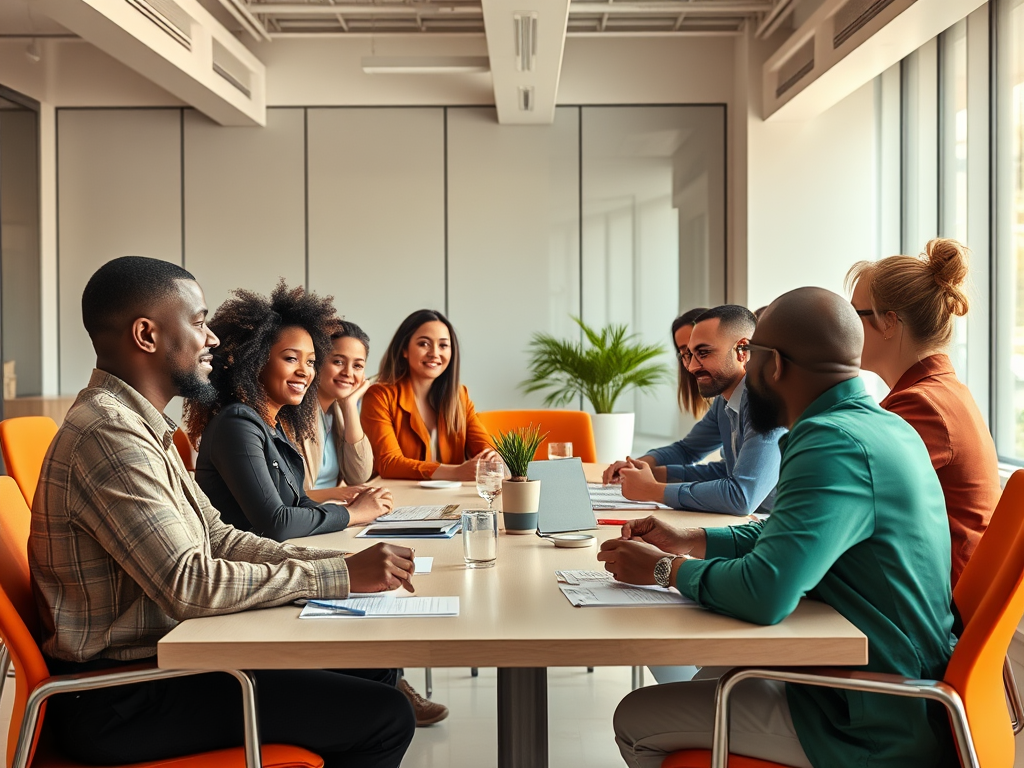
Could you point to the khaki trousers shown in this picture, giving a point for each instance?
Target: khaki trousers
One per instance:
(652, 722)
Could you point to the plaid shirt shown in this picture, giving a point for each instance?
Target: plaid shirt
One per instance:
(124, 545)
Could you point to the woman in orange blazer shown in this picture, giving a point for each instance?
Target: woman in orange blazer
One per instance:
(907, 304)
(418, 417)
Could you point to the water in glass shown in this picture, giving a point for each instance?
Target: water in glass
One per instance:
(489, 474)
(480, 537)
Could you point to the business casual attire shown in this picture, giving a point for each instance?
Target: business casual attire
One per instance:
(253, 475)
(858, 523)
(932, 400)
(743, 482)
(331, 461)
(123, 546)
(401, 441)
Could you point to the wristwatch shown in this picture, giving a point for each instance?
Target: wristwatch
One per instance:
(663, 570)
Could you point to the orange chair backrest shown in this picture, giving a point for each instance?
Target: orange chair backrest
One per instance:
(993, 613)
(562, 427)
(184, 450)
(19, 622)
(24, 441)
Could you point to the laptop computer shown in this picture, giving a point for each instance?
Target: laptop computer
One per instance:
(564, 499)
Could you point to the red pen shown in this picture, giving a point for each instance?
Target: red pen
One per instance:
(610, 521)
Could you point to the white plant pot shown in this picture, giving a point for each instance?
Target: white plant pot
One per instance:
(519, 505)
(613, 433)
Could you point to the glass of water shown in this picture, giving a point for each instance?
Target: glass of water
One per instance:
(559, 451)
(489, 474)
(480, 537)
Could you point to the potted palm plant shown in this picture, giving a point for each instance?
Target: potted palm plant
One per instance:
(611, 362)
(520, 496)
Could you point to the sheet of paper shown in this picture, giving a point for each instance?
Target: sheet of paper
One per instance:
(423, 565)
(380, 606)
(412, 529)
(586, 589)
(610, 497)
(438, 512)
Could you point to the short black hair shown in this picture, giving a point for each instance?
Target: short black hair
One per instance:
(124, 289)
(731, 317)
(345, 329)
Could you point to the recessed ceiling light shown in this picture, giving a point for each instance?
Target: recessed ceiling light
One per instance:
(424, 65)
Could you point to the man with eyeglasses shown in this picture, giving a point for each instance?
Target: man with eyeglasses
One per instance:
(743, 481)
(859, 523)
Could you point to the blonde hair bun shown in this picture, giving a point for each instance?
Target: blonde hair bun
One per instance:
(947, 259)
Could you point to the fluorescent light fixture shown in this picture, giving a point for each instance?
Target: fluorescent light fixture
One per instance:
(525, 26)
(424, 65)
(526, 100)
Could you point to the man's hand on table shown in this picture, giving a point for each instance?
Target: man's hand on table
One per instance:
(611, 473)
(381, 568)
(639, 483)
(632, 558)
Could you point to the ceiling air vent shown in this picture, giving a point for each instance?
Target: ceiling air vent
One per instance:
(795, 67)
(227, 65)
(853, 16)
(167, 15)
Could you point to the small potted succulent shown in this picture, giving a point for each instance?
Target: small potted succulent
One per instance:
(520, 496)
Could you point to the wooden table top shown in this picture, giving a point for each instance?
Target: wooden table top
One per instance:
(512, 615)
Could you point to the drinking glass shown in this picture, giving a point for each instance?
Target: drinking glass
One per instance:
(559, 451)
(480, 537)
(489, 474)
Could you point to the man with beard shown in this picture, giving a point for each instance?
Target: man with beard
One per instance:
(124, 545)
(859, 523)
(743, 481)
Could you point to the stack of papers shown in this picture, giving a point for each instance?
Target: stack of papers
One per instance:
(610, 497)
(585, 589)
(382, 606)
(441, 512)
(412, 529)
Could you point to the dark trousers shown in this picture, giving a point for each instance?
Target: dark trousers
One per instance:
(351, 718)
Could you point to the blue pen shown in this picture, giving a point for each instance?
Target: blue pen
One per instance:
(338, 608)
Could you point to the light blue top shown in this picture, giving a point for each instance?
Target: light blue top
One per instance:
(743, 482)
(330, 470)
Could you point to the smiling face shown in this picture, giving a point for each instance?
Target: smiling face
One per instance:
(189, 341)
(290, 369)
(344, 370)
(429, 350)
(715, 363)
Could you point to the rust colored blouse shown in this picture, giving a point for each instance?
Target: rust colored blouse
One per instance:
(936, 404)
(399, 437)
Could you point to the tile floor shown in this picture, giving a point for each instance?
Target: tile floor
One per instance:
(580, 707)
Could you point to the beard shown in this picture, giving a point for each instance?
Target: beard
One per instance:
(715, 385)
(765, 406)
(192, 385)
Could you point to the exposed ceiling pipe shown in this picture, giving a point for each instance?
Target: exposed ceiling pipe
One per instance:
(774, 18)
(651, 7)
(243, 16)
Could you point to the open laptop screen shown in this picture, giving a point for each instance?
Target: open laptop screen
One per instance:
(564, 499)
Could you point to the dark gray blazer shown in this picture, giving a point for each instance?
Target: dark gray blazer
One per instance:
(253, 476)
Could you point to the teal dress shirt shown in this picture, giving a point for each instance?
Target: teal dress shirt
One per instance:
(859, 522)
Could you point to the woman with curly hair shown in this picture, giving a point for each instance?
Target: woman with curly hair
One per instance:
(265, 373)
(419, 418)
(340, 454)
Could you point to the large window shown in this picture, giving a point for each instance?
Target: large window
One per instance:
(1008, 240)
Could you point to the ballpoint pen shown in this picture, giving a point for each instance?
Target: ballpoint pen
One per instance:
(338, 608)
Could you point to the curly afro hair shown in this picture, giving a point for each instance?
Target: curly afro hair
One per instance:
(248, 325)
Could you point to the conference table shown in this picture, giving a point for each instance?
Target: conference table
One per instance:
(515, 618)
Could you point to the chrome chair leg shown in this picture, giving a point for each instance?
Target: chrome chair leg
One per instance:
(253, 756)
(429, 675)
(1013, 697)
(638, 678)
(5, 663)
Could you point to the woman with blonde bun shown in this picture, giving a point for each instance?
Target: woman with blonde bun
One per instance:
(907, 305)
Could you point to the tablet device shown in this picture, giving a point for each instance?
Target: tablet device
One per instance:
(564, 499)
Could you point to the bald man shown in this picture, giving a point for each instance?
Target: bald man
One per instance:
(858, 523)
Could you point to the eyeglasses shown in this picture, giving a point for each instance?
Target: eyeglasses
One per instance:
(701, 354)
(748, 348)
(865, 312)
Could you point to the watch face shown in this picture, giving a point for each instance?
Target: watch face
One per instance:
(662, 570)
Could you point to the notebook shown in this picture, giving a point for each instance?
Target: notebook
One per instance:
(564, 498)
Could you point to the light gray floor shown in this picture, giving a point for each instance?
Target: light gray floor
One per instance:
(580, 707)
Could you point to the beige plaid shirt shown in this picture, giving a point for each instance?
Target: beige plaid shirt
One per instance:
(124, 544)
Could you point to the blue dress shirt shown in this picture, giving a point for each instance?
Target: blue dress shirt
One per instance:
(743, 482)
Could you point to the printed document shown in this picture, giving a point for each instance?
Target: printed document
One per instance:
(610, 497)
(440, 512)
(383, 607)
(585, 589)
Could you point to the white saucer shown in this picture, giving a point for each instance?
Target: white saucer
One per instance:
(572, 540)
(440, 484)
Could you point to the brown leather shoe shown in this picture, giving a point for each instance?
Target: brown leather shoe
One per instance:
(427, 712)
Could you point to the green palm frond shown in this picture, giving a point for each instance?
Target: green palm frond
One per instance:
(517, 448)
(610, 364)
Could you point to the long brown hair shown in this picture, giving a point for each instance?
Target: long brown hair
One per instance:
(444, 392)
(690, 399)
(924, 291)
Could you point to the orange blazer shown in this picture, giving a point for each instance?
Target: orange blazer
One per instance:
(934, 402)
(400, 440)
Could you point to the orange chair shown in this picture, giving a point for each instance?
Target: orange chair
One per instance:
(562, 427)
(991, 603)
(24, 442)
(184, 450)
(34, 684)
